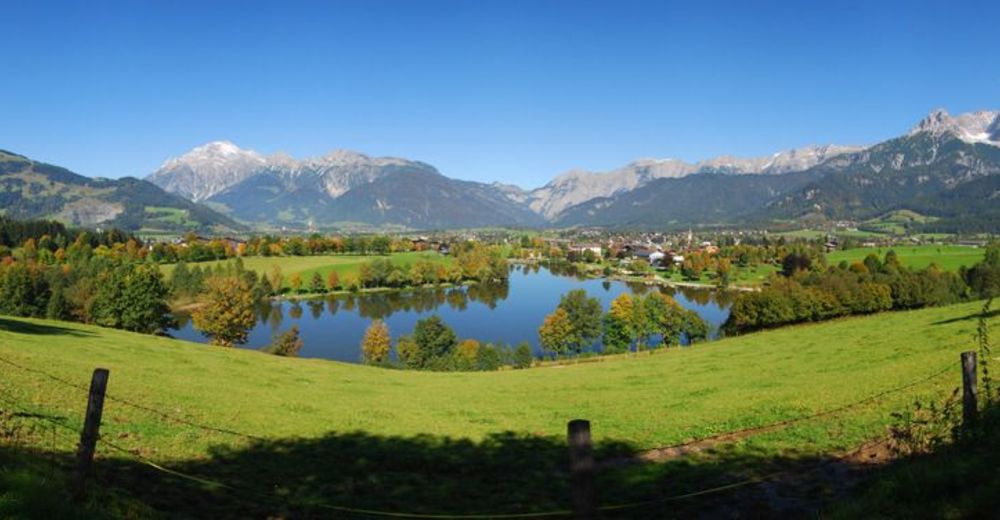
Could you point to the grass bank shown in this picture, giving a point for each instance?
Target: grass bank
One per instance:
(439, 441)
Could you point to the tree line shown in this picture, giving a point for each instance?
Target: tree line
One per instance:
(433, 345)
(806, 290)
(633, 322)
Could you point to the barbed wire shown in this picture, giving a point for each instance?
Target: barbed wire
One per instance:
(138, 406)
(444, 516)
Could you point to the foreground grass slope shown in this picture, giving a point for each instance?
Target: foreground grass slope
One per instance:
(647, 401)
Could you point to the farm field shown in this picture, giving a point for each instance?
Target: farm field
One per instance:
(346, 266)
(393, 426)
(947, 257)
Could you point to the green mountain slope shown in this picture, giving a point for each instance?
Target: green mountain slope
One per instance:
(30, 189)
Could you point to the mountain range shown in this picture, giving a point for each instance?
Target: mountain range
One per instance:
(31, 189)
(945, 167)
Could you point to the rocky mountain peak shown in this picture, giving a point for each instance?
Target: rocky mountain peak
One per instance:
(972, 127)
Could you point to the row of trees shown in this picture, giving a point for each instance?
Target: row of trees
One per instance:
(637, 321)
(808, 291)
(435, 346)
(196, 249)
(102, 291)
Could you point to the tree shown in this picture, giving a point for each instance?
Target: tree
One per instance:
(295, 282)
(316, 285)
(617, 334)
(332, 281)
(180, 279)
(277, 279)
(619, 323)
(795, 262)
(58, 308)
(376, 344)
(555, 334)
(227, 316)
(262, 289)
(407, 352)
(132, 297)
(23, 291)
(666, 317)
(435, 341)
(288, 343)
(584, 315)
(523, 356)
(724, 272)
(466, 354)
(695, 328)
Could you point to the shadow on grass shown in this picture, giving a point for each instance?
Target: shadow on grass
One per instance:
(504, 473)
(25, 327)
(974, 316)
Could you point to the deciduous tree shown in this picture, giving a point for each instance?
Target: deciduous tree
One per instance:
(227, 316)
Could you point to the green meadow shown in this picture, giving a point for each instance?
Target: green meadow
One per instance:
(346, 266)
(947, 257)
(410, 441)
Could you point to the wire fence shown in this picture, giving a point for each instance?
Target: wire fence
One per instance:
(66, 431)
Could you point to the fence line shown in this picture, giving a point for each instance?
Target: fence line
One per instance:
(389, 514)
(732, 433)
(135, 405)
(803, 418)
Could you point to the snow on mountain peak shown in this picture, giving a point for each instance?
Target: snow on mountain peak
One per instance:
(972, 127)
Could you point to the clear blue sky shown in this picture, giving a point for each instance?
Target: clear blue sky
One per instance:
(509, 90)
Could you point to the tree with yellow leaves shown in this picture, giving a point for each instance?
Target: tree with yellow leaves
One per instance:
(376, 344)
(227, 316)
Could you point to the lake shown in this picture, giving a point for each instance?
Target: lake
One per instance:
(332, 328)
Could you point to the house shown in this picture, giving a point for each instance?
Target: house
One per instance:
(582, 248)
(656, 258)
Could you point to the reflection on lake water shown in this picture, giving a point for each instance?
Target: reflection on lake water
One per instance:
(332, 328)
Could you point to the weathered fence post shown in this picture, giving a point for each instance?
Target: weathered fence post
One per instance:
(91, 430)
(581, 470)
(970, 406)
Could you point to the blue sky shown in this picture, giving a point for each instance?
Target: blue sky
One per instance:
(516, 91)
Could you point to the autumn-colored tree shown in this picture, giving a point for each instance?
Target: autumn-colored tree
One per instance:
(376, 343)
(407, 351)
(227, 316)
(332, 281)
(556, 332)
(295, 282)
(467, 350)
(723, 272)
(277, 279)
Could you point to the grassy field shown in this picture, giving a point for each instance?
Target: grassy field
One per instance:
(741, 276)
(397, 426)
(346, 265)
(949, 258)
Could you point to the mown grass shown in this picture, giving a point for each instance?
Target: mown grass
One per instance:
(346, 266)
(947, 257)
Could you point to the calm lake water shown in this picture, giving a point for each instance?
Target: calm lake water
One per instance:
(332, 328)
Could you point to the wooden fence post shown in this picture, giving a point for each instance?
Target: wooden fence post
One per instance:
(581, 470)
(91, 431)
(970, 406)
